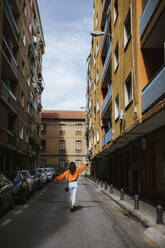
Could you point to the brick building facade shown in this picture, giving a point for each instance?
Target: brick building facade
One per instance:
(63, 139)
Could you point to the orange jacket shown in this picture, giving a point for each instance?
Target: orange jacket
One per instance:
(67, 175)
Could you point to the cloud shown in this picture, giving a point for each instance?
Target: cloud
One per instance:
(64, 65)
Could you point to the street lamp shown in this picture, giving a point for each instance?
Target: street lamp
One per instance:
(99, 33)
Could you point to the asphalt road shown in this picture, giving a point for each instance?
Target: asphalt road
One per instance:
(45, 221)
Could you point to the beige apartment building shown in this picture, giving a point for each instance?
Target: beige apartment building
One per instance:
(21, 83)
(63, 139)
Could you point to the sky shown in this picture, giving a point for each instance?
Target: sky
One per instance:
(66, 25)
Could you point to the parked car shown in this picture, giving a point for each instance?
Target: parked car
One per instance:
(6, 193)
(53, 172)
(43, 174)
(36, 177)
(29, 180)
(49, 174)
(20, 184)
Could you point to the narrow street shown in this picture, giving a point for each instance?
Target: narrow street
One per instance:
(45, 221)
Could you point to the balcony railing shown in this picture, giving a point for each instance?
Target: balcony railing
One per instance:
(147, 15)
(106, 61)
(8, 96)
(10, 57)
(105, 30)
(12, 139)
(154, 91)
(106, 100)
(107, 138)
(11, 18)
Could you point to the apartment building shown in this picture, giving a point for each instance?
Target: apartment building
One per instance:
(21, 83)
(131, 79)
(63, 139)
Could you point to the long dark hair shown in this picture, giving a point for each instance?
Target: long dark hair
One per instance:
(72, 168)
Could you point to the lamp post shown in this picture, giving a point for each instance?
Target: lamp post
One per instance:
(99, 33)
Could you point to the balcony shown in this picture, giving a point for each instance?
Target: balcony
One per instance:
(106, 62)
(12, 139)
(8, 96)
(32, 50)
(10, 16)
(10, 57)
(154, 91)
(106, 100)
(107, 138)
(147, 15)
(105, 30)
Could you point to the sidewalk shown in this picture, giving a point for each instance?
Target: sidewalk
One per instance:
(146, 214)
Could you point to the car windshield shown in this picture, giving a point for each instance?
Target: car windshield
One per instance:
(48, 170)
(25, 174)
(32, 172)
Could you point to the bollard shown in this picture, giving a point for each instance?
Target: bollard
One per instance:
(111, 189)
(121, 194)
(159, 211)
(105, 186)
(136, 198)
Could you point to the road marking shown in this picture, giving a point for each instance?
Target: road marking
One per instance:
(112, 207)
(150, 242)
(128, 223)
(26, 206)
(18, 212)
(6, 222)
(119, 213)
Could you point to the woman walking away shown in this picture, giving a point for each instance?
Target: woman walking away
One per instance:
(71, 176)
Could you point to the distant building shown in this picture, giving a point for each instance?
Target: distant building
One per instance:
(63, 139)
(21, 84)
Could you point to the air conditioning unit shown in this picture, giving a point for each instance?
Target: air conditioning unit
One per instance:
(121, 115)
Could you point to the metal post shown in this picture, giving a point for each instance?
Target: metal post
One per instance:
(105, 186)
(136, 198)
(111, 189)
(121, 194)
(159, 211)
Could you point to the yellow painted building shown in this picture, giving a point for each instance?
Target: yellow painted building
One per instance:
(129, 59)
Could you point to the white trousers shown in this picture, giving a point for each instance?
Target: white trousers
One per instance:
(73, 190)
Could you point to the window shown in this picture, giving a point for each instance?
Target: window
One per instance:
(128, 90)
(62, 129)
(78, 144)
(62, 144)
(24, 37)
(97, 104)
(97, 47)
(78, 127)
(24, 9)
(97, 76)
(116, 10)
(97, 20)
(62, 163)
(27, 137)
(43, 129)
(30, 27)
(116, 58)
(21, 131)
(94, 139)
(28, 81)
(98, 135)
(127, 28)
(28, 107)
(116, 107)
(43, 145)
(23, 67)
(22, 98)
(78, 163)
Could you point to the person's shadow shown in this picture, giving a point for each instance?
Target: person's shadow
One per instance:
(77, 208)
